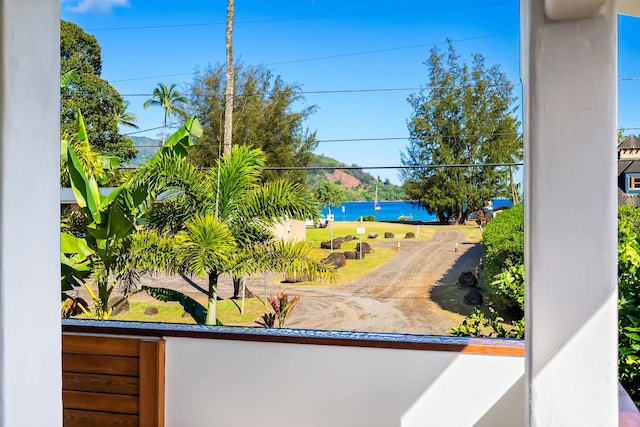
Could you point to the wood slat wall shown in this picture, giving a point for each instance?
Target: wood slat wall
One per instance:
(109, 381)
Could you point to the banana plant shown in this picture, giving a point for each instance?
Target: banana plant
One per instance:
(111, 218)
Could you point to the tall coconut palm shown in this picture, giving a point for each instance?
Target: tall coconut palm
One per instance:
(224, 207)
(171, 101)
(123, 117)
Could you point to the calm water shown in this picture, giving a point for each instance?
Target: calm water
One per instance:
(390, 211)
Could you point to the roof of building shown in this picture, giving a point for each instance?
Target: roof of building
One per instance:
(630, 141)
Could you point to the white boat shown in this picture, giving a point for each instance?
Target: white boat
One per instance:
(376, 206)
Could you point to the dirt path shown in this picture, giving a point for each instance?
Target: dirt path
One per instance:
(393, 298)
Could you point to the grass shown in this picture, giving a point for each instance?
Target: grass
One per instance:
(227, 311)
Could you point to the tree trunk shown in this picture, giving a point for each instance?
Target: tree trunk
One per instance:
(442, 217)
(212, 299)
(228, 98)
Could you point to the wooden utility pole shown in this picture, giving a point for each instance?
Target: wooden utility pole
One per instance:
(228, 97)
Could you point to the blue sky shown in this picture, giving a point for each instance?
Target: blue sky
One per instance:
(323, 45)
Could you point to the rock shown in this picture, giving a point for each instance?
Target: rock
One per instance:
(327, 245)
(355, 237)
(372, 235)
(348, 238)
(410, 235)
(473, 297)
(123, 307)
(366, 248)
(186, 315)
(335, 259)
(296, 278)
(338, 240)
(468, 280)
(352, 255)
(388, 235)
(151, 311)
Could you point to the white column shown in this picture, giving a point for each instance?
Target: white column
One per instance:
(569, 71)
(30, 341)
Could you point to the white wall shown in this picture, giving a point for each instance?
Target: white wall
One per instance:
(30, 372)
(569, 71)
(234, 383)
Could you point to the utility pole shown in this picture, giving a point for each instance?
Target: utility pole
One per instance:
(228, 96)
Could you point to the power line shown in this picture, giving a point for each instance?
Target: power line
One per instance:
(400, 138)
(428, 166)
(304, 18)
(348, 54)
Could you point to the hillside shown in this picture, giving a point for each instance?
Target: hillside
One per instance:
(146, 149)
(359, 185)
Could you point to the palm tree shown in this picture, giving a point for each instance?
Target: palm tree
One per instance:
(171, 101)
(219, 221)
(123, 117)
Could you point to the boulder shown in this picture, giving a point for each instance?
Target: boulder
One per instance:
(473, 297)
(372, 235)
(186, 315)
(388, 235)
(366, 248)
(410, 235)
(151, 311)
(328, 245)
(468, 280)
(352, 255)
(335, 259)
(123, 307)
(348, 238)
(296, 278)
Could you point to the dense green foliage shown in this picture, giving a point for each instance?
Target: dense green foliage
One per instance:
(503, 240)
(329, 194)
(99, 102)
(263, 117)
(465, 115)
(629, 301)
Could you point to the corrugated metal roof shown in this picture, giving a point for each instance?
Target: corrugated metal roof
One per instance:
(630, 142)
(629, 166)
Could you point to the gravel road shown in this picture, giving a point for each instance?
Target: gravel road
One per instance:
(392, 298)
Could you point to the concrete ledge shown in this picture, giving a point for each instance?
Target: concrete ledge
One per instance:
(494, 346)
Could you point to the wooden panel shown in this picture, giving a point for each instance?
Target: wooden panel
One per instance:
(76, 418)
(111, 365)
(152, 383)
(115, 384)
(106, 346)
(101, 402)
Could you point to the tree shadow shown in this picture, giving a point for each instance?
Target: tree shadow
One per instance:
(448, 294)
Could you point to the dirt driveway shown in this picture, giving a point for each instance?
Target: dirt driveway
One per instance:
(392, 298)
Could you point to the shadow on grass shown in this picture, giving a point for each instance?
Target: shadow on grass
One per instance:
(448, 294)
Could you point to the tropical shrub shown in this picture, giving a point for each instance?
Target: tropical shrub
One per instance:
(629, 305)
(503, 246)
(369, 218)
(507, 291)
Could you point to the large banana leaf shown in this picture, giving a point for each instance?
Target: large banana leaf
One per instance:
(75, 260)
(191, 306)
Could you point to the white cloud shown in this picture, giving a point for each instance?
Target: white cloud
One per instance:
(97, 5)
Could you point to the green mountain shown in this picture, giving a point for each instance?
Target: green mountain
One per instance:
(358, 185)
(146, 147)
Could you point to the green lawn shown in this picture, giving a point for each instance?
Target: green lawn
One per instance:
(227, 311)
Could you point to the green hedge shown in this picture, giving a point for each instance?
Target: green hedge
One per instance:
(503, 243)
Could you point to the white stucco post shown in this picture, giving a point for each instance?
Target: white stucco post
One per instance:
(569, 71)
(30, 340)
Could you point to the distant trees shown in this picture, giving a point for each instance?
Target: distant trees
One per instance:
(465, 115)
(262, 117)
(89, 93)
(329, 194)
